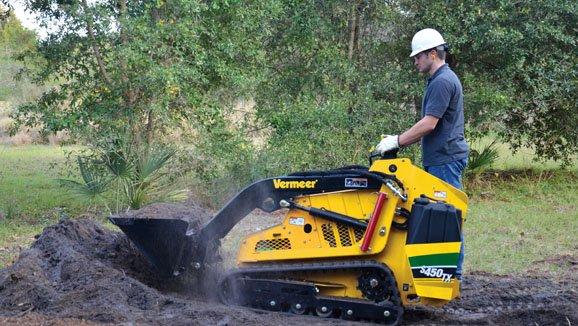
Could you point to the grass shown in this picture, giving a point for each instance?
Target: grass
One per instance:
(515, 218)
(524, 158)
(14, 237)
(28, 186)
(30, 197)
(518, 218)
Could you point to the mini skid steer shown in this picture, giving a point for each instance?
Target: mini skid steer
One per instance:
(356, 243)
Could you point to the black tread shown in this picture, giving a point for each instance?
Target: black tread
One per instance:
(276, 272)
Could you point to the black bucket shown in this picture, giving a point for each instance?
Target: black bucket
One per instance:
(167, 243)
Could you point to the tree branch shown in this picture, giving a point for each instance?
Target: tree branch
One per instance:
(129, 95)
(352, 29)
(94, 45)
(155, 16)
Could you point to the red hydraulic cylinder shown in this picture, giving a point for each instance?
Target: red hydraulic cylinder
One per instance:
(381, 197)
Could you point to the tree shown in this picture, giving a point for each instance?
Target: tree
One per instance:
(331, 87)
(327, 77)
(518, 66)
(141, 71)
(14, 38)
(142, 66)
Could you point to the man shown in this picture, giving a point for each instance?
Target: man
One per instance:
(441, 128)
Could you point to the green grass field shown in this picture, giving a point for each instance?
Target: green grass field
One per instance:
(522, 159)
(30, 197)
(28, 184)
(516, 217)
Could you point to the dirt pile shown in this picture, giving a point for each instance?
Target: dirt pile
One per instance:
(78, 272)
(78, 269)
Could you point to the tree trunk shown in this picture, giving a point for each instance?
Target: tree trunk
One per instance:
(129, 94)
(352, 30)
(353, 48)
(94, 45)
(149, 132)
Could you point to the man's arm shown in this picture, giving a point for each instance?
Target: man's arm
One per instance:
(423, 127)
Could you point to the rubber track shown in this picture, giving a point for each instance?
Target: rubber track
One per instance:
(279, 269)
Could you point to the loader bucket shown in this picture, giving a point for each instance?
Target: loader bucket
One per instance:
(166, 243)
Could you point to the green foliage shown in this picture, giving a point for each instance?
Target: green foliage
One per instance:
(13, 36)
(15, 39)
(331, 90)
(519, 67)
(120, 174)
(144, 181)
(151, 67)
(479, 161)
(327, 78)
(93, 183)
(148, 65)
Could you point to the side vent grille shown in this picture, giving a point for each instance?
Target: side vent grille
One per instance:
(347, 236)
(328, 234)
(344, 237)
(358, 234)
(273, 244)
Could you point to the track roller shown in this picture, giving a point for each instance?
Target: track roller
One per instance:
(324, 311)
(298, 309)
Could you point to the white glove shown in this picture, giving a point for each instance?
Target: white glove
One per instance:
(387, 144)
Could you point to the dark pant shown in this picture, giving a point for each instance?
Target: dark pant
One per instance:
(451, 173)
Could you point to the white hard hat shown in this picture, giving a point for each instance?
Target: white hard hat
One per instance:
(425, 39)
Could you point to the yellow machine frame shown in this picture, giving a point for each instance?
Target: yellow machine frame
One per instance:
(328, 240)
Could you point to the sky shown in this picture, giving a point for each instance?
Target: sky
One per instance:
(27, 19)
(30, 20)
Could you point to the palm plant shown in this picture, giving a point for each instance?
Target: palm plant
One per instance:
(146, 180)
(130, 176)
(479, 161)
(94, 182)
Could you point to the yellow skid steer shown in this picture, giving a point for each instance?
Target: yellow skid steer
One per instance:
(356, 243)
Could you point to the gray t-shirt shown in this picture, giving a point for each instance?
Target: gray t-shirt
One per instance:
(444, 99)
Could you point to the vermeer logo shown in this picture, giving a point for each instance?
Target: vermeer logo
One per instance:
(280, 184)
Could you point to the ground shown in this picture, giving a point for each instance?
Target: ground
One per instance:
(78, 272)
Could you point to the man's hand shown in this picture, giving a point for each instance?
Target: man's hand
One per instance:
(387, 144)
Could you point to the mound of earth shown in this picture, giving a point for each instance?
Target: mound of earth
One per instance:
(79, 272)
(78, 269)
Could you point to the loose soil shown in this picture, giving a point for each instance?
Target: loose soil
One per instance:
(79, 272)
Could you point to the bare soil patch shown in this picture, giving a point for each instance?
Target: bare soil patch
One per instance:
(78, 272)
